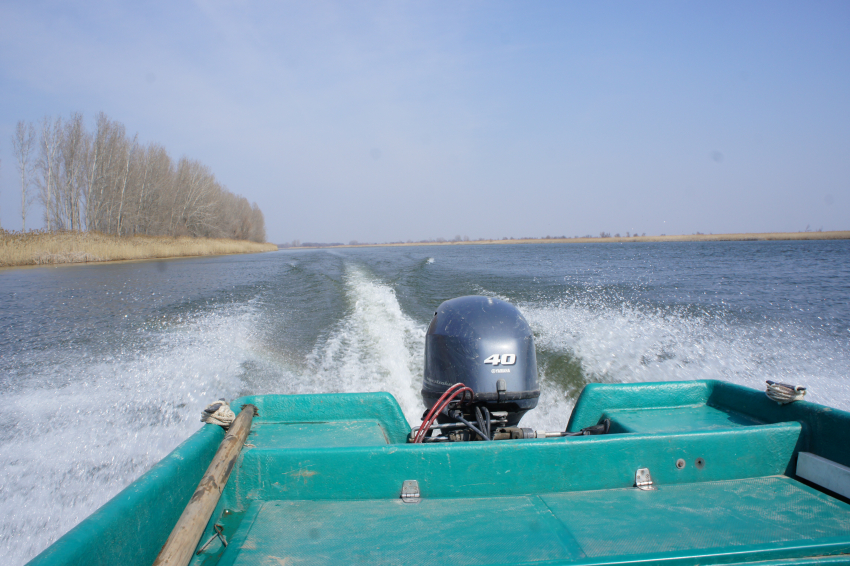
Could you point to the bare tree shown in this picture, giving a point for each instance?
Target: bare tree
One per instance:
(22, 145)
(156, 174)
(71, 173)
(105, 168)
(107, 182)
(195, 200)
(46, 166)
(124, 181)
(258, 225)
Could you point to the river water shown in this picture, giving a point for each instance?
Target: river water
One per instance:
(104, 369)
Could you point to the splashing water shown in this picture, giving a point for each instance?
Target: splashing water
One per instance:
(628, 343)
(69, 449)
(375, 348)
(135, 372)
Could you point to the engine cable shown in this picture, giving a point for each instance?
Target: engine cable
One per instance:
(438, 407)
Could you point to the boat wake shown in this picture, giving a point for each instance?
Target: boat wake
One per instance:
(375, 347)
(628, 343)
(69, 449)
(85, 423)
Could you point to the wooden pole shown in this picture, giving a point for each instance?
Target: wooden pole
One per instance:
(181, 543)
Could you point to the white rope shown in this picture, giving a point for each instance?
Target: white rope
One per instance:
(783, 393)
(218, 413)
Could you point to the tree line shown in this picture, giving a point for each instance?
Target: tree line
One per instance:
(103, 180)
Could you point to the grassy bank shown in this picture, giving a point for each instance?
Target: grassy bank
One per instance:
(42, 248)
(744, 237)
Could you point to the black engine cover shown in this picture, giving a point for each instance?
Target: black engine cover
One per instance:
(478, 341)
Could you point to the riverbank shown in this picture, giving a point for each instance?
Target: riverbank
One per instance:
(44, 248)
(743, 237)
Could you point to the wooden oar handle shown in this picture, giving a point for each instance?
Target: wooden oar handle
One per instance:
(181, 543)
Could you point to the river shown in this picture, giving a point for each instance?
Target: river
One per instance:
(105, 368)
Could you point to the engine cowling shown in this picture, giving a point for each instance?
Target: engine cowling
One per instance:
(486, 344)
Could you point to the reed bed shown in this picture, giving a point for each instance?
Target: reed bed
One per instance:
(43, 248)
(743, 237)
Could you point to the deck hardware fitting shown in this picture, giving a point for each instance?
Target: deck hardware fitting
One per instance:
(643, 480)
(700, 463)
(410, 491)
(680, 463)
(217, 528)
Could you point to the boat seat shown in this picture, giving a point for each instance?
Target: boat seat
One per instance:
(673, 419)
(277, 436)
(266, 470)
(766, 518)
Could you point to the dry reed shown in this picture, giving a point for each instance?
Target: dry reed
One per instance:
(743, 237)
(41, 248)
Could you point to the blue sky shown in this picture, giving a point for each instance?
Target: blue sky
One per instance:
(383, 121)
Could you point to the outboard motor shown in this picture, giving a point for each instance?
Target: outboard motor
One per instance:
(480, 375)
(487, 345)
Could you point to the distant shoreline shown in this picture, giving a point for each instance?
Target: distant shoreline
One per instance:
(64, 248)
(743, 237)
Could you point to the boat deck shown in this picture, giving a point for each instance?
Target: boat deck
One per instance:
(759, 518)
(327, 492)
(739, 479)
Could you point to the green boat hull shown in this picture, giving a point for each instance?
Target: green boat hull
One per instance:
(320, 479)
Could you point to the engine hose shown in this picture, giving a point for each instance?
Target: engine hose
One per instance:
(487, 419)
(440, 407)
(480, 419)
(451, 392)
(434, 408)
(601, 428)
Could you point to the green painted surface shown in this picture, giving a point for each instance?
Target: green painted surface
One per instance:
(319, 481)
(378, 407)
(775, 516)
(478, 469)
(825, 430)
(459, 531)
(286, 436)
(698, 417)
(597, 398)
(772, 517)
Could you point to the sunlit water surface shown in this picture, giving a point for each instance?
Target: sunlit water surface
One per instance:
(105, 369)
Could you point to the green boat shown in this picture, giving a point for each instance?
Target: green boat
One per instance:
(696, 472)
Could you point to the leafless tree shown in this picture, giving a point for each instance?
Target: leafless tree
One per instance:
(107, 182)
(70, 173)
(46, 166)
(105, 168)
(22, 146)
(195, 200)
(258, 225)
(125, 179)
(156, 181)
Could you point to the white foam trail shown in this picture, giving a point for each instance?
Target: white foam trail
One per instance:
(629, 344)
(69, 450)
(430, 260)
(376, 347)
